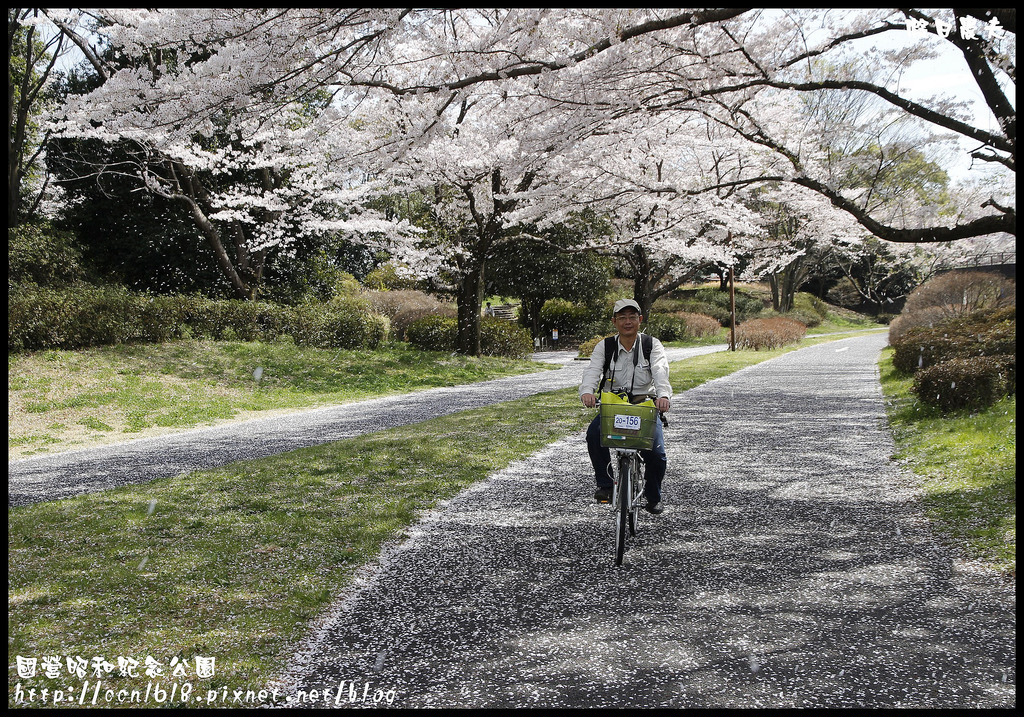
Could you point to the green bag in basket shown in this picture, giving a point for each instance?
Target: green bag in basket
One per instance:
(626, 425)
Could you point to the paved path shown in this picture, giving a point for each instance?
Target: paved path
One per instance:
(792, 568)
(61, 475)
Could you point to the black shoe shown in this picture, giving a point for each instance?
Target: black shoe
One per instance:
(654, 507)
(603, 495)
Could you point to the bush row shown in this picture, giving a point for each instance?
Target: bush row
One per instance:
(952, 295)
(965, 362)
(498, 337)
(985, 333)
(966, 383)
(84, 315)
(681, 325)
(769, 333)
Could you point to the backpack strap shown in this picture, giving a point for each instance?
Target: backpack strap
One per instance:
(609, 351)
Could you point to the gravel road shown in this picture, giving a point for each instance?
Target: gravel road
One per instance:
(792, 568)
(61, 475)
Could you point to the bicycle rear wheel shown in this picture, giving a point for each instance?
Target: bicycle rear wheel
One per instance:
(622, 507)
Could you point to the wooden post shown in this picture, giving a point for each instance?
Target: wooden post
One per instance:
(732, 300)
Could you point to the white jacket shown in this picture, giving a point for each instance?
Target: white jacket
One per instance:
(651, 371)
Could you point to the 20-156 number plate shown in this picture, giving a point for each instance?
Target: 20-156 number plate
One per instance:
(627, 423)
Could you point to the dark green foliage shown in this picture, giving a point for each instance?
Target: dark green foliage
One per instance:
(432, 333)
(666, 327)
(966, 383)
(504, 338)
(498, 337)
(985, 333)
(39, 254)
(966, 362)
(84, 315)
(570, 319)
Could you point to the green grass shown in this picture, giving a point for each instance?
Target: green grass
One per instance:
(67, 399)
(967, 465)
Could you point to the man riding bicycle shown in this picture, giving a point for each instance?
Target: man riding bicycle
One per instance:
(636, 364)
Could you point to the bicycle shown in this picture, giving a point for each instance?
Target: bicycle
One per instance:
(626, 429)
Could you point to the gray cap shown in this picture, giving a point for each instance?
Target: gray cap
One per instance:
(625, 304)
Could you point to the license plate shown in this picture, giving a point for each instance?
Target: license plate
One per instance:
(627, 423)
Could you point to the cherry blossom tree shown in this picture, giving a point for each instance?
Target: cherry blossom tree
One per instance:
(509, 118)
(252, 183)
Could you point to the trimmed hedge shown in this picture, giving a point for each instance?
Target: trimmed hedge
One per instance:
(433, 333)
(962, 363)
(498, 337)
(966, 383)
(83, 315)
(570, 319)
(986, 333)
(770, 333)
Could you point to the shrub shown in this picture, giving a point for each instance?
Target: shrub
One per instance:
(957, 293)
(985, 333)
(499, 337)
(587, 347)
(923, 318)
(951, 295)
(392, 303)
(39, 254)
(965, 383)
(83, 315)
(666, 327)
(343, 323)
(403, 306)
(433, 333)
(769, 333)
(570, 319)
(699, 326)
(71, 318)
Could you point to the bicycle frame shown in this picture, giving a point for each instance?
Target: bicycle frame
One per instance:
(628, 482)
(627, 491)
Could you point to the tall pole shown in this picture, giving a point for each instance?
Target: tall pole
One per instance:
(732, 299)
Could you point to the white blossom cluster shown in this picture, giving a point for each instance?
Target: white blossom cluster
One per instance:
(503, 119)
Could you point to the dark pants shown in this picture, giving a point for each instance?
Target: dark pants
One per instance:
(654, 460)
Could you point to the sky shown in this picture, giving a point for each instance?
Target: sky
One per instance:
(946, 74)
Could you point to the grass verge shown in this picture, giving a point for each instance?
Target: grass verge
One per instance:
(234, 563)
(59, 400)
(967, 465)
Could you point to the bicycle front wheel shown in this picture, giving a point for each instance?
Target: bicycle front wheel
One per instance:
(635, 489)
(622, 507)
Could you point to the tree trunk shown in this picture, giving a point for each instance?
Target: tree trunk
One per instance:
(642, 289)
(468, 299)
(773, 283)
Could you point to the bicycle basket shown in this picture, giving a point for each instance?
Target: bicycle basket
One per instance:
(627, 425)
